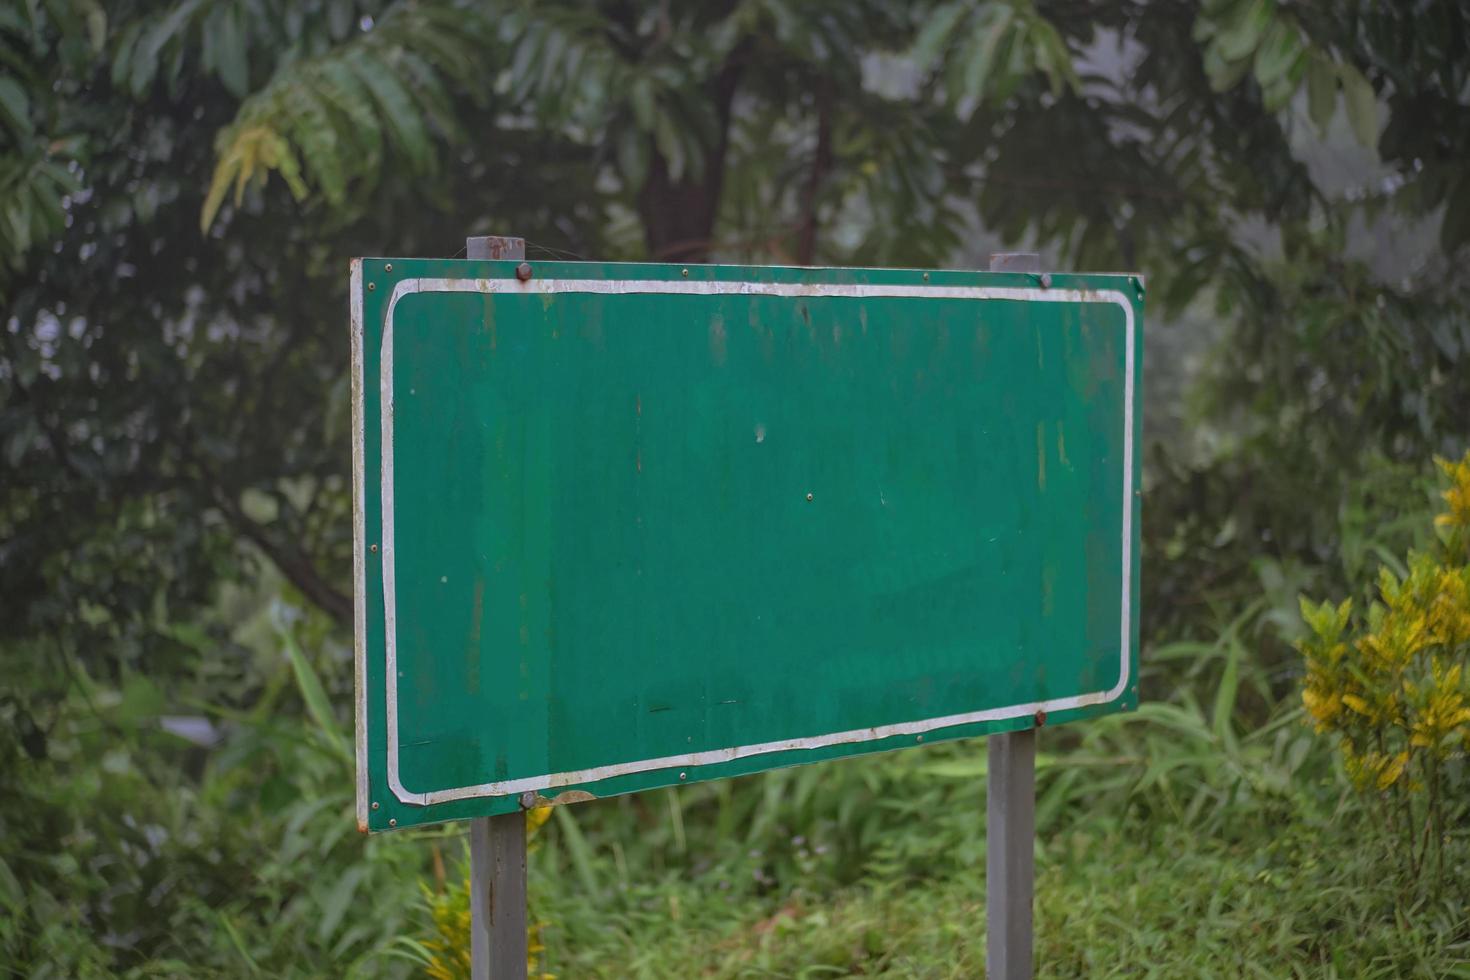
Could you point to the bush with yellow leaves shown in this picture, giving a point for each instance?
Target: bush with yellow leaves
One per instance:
(1393, 688)
(449, 908)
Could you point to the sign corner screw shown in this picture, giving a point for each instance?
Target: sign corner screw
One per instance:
(1040, 718)
(1046, 280)
(388, 267)
(392, 821)
(684, 272)
(528, 800)
(523, 271)
(372, 286)
(683, 775)
(373, 548)
(375, 806)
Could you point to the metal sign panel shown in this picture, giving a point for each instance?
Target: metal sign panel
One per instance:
(628, 526)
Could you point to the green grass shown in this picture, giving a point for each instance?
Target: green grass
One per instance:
(1210, 833)
(1116, 901)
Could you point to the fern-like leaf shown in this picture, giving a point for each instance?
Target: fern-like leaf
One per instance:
(325, 123)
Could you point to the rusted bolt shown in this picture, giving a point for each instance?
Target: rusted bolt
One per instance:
(387, 266)
(808, 498)
(523, 271)
(1040, 718)
(528, 800)
(392, 821)
(1046, 280)
(372, 286)
(373, 548)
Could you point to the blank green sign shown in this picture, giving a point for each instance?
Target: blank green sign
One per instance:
(629, 526)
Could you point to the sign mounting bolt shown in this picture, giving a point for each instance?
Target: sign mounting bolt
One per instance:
(528, 800)
(372, 286)
(1046, 280)
(375, 806)
(373, 548)
(388, 267)
(523, 271)
(392, 821)
(808, 498)
(1040, 718)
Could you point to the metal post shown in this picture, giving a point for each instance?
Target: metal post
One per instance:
(498, 897)
(1010, 808)
(497, 844)
(1010, 827)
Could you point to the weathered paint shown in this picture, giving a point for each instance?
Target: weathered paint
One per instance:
(359, 556)
(857, 533)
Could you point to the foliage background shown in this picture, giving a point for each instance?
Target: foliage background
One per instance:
(181, 185)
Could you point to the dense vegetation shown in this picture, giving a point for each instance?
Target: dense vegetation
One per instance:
(181, 185)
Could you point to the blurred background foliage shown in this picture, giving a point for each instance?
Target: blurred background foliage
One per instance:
(181, 185)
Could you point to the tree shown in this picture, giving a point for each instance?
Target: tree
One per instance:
(175, 402)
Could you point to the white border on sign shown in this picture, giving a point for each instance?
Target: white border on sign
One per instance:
(508, 787)
(359, 559)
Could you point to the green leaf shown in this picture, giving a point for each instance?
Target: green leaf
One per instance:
(937, 34)
(633, 154)
(145, 58)
(317, 704)
(1246, 30)
(645, 112)
(670, 147)
(239, 944)
(1222, 718)
(398, 110)
(1223, 75)
(12, 895)
(584, 860)
(1278, 55)
(1321, 90)
(232, 60)
(981, 52)
(97, 27)
(338, 900)
(1362, 104)
(15, 107)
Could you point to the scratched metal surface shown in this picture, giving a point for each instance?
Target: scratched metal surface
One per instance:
(627, 539)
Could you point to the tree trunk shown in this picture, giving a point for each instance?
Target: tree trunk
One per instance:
(679, 215)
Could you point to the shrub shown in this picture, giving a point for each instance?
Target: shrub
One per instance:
(1391, 686)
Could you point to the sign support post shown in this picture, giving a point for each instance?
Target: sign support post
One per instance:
(498, 843)
(1010, 808)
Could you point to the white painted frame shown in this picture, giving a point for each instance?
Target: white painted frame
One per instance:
(409, 287)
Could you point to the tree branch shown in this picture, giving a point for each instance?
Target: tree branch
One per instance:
(294, 564)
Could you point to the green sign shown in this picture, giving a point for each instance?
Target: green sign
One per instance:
(628, 526)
